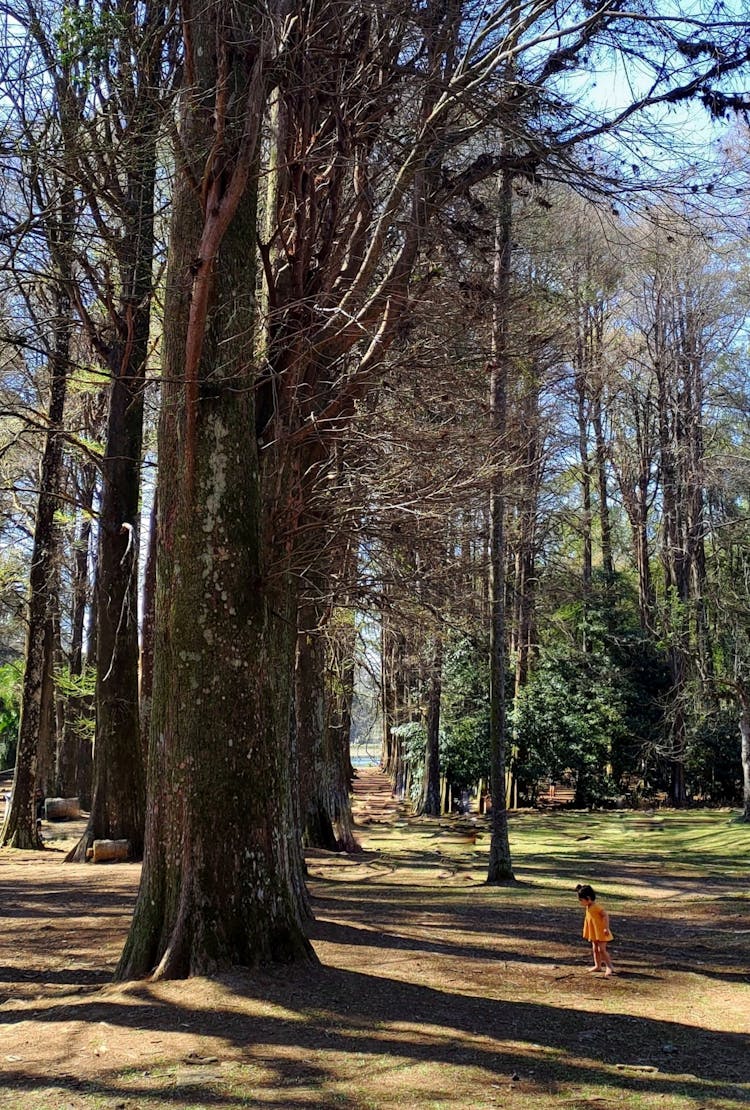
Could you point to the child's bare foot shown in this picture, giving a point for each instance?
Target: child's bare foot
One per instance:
(596, 967)
(608, 971)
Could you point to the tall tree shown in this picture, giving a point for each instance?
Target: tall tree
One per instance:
(54, 211)
(218, 891)
(222, 883)
(500, 866)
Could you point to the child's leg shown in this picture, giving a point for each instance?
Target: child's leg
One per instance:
(595, 946)
(606, 959)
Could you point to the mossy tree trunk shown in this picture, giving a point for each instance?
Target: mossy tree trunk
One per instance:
(222, 880)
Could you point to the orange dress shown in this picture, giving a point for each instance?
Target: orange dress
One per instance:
(595, 925)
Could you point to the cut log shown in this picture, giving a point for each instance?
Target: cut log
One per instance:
(109, 851)
(62, 809)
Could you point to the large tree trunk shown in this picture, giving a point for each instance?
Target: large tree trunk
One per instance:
(222, 878)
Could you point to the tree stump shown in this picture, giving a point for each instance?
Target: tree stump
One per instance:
(62, 809)
(110, 851)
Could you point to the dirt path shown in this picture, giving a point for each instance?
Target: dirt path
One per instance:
(433, 991)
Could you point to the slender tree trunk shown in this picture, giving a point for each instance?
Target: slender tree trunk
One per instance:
(343, 653)
(634, 478)
(341, 701)
(19, 828)
(47, 743)
(608, 565)
(525, 573)
(311, 706)
(745, 754)
(583, 450)
(674, 553)
(391, 760)
(429, 803)
(67, 784)
(500, 866)
(646, 598)
(118, 804)
(146, 686)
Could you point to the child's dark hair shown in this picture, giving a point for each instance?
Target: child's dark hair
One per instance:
(586, 891)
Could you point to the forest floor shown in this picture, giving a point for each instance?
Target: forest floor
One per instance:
(434, 991)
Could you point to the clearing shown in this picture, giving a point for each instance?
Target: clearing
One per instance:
(435, 991)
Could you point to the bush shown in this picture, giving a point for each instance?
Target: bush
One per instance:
(10, 710)
(713, 768)
(465, 735)
(593, 705)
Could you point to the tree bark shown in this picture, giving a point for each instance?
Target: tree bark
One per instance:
(429, 803)
(310, 707)
(118, 804)
(222, 879)
(47, 741)
(500, 867)
(20, 828)
(745, 754)
(146, 686)
(583, 450)
(605, 525)
(68, 782)
(341, 699)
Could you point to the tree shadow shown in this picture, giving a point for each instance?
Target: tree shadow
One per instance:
(391, 910)
(334, 1011)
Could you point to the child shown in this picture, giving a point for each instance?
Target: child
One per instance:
(596, 929)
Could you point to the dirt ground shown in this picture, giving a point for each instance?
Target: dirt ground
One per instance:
(434, 990)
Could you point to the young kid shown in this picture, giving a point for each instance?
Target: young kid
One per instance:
(596, 929)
